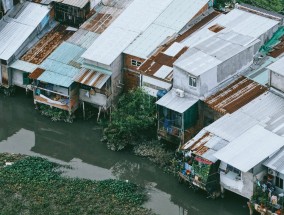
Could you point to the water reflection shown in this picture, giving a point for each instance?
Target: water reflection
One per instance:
(23, 130)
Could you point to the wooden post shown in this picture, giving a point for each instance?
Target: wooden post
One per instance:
(84, 113)
(99, 113)
(250, 208)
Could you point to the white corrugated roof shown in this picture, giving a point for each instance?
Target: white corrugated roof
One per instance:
(276, 162)
(147, 42)
(163, 72)
(176, 103)
(179, 13)
(171, 21)
(24, 66)
(32, 14)
(249, 149)
(15, 31)
(277, 67)
(196, 62)
(211, 52)
(83, 38)
(242, 22)
(231, 126)
(75, 3)
(174, 49)
(132, 22)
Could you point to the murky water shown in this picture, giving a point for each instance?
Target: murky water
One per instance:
(23, 130)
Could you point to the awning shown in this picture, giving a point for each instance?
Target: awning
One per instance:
(24, 66)
(91, 78)
(179, 104)
(56, 79)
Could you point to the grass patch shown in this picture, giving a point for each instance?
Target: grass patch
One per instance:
(33, 185)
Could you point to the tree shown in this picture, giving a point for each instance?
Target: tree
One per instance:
(133, 119)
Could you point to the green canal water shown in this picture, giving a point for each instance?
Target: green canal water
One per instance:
(23, 130)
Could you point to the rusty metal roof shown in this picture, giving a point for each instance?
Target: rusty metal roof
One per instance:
(162, 57)
(43, 48)
(278, 49)
(205, 145)
(36, 73)
(92, 78)
(154, 65)
(236, 95)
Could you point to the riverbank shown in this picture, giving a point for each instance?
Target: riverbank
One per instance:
(33, 185)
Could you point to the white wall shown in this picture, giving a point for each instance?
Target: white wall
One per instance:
(17, 78)
(181, 81)
(277, 81)
(208, 81)
(243, 187)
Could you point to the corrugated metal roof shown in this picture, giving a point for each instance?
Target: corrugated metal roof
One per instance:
(174, 49)
(109, 45)
(163, 72)
(213, 51)
(92, 78)
(56, 78)
(31, 14)
(235, 95)
(276, 162)
(12, 36)
(250, 148)
(277, 67)
(23, 66)
(176, 103)
(231, 126)
(239, 21)
(205, 145)
(75, 3)
(168, 23)
(15, 31)
(179, 13)
(47, 44)
(36, 73)
(83, 38)
(268, 109)
(149, 40)
(196, 62)
(67, 52)
(134, 20)
(62, 65)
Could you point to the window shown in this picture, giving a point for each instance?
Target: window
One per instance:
(135, 63)
(279, 182)
(192, 81)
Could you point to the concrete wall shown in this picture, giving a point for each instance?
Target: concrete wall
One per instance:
(267, 35)
(277, 81)
(17, 78)
(237, 63)
(243, 187)
(116, 78)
